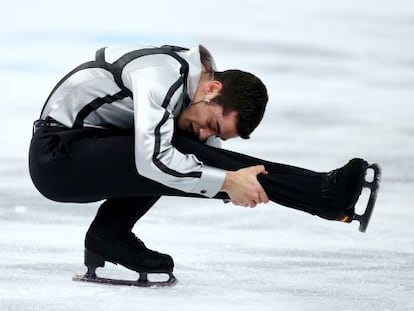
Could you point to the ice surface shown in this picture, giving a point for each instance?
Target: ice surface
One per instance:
(341, 82)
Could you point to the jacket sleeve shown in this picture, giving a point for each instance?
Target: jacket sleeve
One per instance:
(155, 90)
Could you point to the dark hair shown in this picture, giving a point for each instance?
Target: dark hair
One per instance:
(246, 94)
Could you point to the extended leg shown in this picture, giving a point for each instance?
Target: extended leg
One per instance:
(286, 185)
(330, 195)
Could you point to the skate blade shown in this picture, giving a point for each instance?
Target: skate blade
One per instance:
(374, 187)
(141, 282)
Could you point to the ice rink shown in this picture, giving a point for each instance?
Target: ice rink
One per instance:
(340, 76)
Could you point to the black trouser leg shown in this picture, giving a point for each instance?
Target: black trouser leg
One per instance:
(87, 165)
(116, 217)
(287, 185)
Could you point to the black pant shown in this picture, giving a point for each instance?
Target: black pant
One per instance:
(87, 165)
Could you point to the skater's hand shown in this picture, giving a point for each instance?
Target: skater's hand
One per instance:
(243, 187)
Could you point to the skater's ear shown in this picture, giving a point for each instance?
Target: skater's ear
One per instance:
(212, 89)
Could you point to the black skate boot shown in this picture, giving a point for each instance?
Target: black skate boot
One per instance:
(341, 189)
(130, 252)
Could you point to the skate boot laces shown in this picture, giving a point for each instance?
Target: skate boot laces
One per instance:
(134, 240)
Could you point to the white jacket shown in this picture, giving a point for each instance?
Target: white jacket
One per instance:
(144, 88)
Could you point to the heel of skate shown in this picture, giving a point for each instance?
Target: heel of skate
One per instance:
(93, 260)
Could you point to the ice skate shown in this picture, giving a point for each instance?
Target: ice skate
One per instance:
(342, 188)
(373, 186)
(131, 253)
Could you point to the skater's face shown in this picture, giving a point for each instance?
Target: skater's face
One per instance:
(207, 119)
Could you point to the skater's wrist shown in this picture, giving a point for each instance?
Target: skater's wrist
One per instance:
(229, 181)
